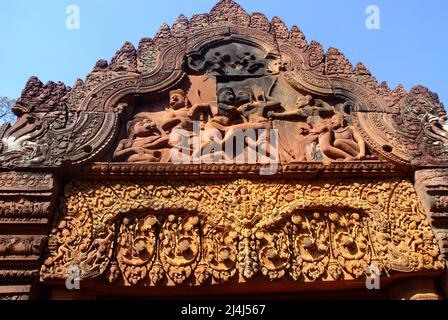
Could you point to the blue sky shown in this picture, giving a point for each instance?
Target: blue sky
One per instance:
(409, 48)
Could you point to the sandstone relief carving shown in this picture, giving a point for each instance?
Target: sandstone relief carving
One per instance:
(211, 78)
(194, 233)
(254, 107)
(58, 124)
(234, 59)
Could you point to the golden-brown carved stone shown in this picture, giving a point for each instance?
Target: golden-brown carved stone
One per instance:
(201, 232)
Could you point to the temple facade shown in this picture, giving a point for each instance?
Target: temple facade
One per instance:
(227, 156)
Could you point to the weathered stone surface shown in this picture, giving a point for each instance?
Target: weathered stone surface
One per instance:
(306, 121)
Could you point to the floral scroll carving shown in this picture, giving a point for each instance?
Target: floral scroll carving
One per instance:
(200, 233)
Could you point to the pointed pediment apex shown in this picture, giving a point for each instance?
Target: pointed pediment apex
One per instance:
(400, 90)
(361, 69)
(164, 32)
(337, 64)
(101, 65)
(199, 22)
(279, 28)
(78, 84)
(180, 27)
(417, 90)
(226, 7)
(259, 21)
(383, 88)
(423, 101)
(229, 12)
(393, 97)
(145, 42)
(33, 85)
(425, 94)
(37, 97)
(316, 56)
(297, 37)
(182, 20)
(125, 59)
(364, 76)
(127, 47)
(146, 55)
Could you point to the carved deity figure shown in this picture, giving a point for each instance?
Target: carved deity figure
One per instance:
(307, 141)
(181, 115)
(305, 107)
(178, 112)
(145, 143)
(244, 207)
(255, 102)
(339, 141)
(227, 104)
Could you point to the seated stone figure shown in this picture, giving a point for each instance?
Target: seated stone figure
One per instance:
(339, 141)
(145, 143)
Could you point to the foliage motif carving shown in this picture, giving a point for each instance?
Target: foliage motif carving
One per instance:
(194, 233)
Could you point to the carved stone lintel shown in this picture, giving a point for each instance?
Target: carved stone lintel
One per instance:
(195, 233)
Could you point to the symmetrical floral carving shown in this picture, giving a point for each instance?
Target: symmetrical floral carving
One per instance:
(203, 232)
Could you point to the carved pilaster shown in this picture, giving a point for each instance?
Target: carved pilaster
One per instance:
(432, 188)
(26, 204)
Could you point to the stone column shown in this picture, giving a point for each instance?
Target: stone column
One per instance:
(432, 188)
(27, 202)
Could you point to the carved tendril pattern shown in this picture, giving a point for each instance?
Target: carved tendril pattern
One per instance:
(197, 233)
